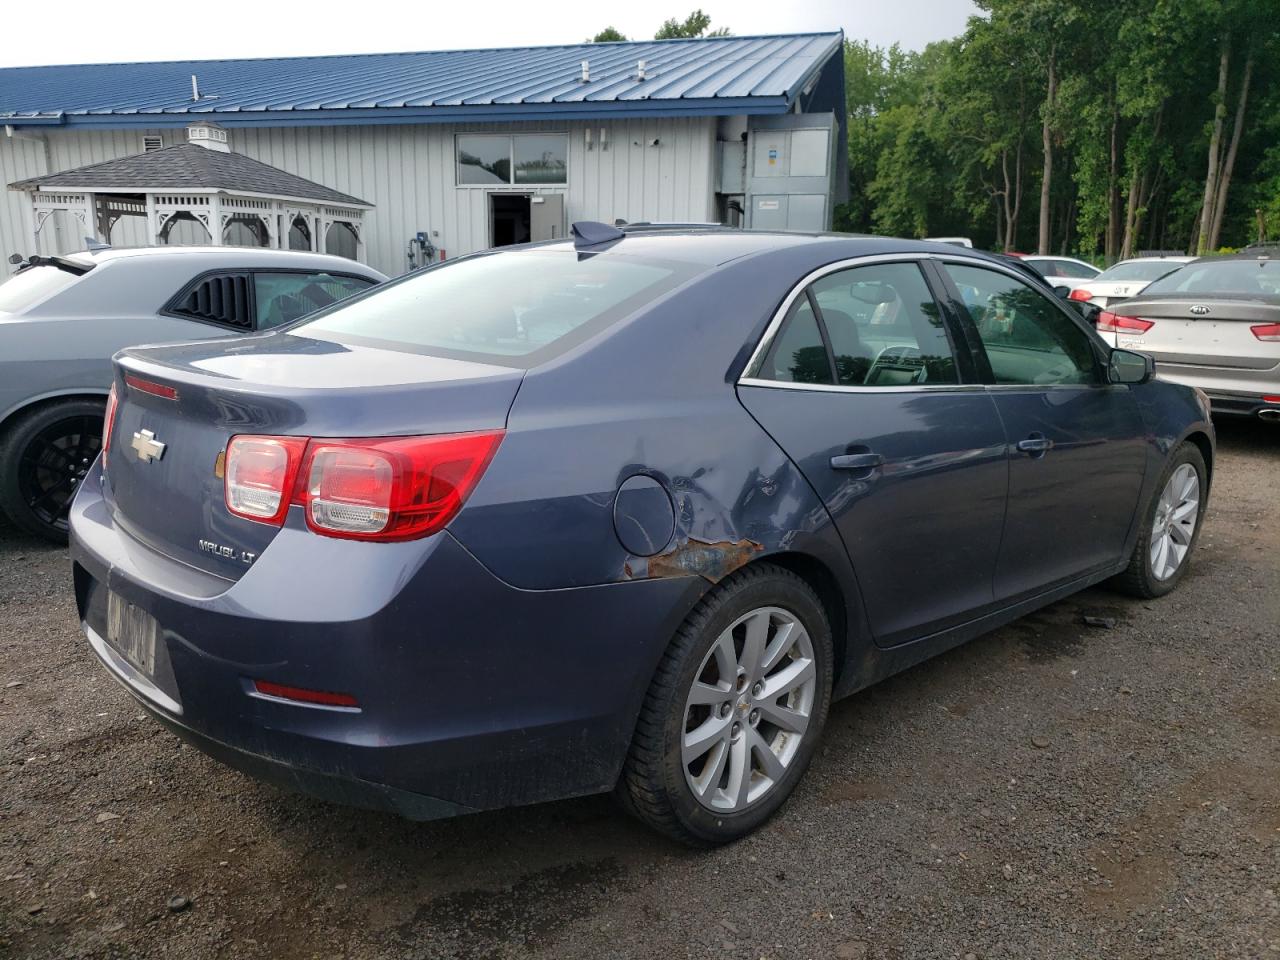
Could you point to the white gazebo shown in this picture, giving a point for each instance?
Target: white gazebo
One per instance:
(199, 192)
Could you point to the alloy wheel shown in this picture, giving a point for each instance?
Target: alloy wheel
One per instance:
(1175, 521)
(54, 464)
(748, 709)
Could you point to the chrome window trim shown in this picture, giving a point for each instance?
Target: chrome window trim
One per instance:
(839, 388)
(748, 378)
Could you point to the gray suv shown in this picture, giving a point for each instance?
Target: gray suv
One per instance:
(61, 319)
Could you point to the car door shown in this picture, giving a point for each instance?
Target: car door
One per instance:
(1076, 451)
(860, 383)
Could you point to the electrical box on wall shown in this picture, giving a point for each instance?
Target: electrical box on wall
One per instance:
(790, 183)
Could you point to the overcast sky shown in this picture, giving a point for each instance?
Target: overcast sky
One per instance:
(94, 31)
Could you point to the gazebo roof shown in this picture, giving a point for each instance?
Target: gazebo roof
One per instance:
(188, 166)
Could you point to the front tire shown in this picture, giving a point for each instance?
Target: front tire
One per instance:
(735, 710)
(44, 456)
(1170, 527)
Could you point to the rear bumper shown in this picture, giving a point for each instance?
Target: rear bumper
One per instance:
(1232, 392)
(472, 694)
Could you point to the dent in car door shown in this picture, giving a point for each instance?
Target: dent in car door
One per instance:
(862, 389)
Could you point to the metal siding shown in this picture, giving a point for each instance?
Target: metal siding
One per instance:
(408, 172)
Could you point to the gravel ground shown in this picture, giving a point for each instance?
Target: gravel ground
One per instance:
(1051, 790)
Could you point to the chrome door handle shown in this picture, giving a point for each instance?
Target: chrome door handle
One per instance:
(1035, 444)
(856, 461)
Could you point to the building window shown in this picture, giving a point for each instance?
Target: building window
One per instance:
(513, 160)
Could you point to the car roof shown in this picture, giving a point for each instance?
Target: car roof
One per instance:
(712, 246)
(228, 256)
(1260, 256)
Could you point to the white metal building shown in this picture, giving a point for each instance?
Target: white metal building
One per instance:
(453, 152)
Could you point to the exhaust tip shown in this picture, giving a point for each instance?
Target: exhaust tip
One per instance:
(1269, 414)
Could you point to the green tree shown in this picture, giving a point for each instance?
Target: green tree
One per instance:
(694, 25)
(607, 35)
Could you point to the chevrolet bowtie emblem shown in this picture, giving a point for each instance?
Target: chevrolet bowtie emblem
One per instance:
(147, 446)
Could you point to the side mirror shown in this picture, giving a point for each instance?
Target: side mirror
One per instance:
(1063, 292)
(1125, 366)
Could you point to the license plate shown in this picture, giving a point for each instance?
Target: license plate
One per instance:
(132, 632)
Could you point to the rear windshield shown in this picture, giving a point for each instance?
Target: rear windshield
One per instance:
(1139, 270)
(512, 306)
(28, 287)
(1256, 278)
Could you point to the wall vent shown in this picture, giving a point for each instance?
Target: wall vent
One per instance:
(152, 143)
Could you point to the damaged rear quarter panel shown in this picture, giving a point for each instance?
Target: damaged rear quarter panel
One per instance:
(652, 396)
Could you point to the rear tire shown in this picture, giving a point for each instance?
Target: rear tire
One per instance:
(712, 688)
(44, 455)
(1153, 572)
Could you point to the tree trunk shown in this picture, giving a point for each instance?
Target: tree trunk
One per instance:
(1215, 150)
(1113, 188)
(1046, 135)
(1012, 237)
(1005, 239)
(1130, 217)
(1224, 176)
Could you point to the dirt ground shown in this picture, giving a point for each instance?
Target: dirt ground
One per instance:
(1052, 790)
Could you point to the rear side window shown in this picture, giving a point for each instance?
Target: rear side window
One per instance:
(32, 285)
(524, 305)
(285, 297)
(798, 353)
(885, 328)
(872, 326)
(220, 299)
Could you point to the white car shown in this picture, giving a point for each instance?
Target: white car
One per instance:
(1062, 271)
(1128, 278)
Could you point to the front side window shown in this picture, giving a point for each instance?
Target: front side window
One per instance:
(528, 304)
(884, 326)
(1027, 339)
(512, 159)
(285, 297)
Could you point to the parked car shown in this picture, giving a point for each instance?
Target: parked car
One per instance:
(1062, 270)
(1128, 278)
(620, 513)
(61, 319)
(952, 241)
(1213, 324)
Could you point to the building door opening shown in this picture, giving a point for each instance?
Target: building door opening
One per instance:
(511, 219)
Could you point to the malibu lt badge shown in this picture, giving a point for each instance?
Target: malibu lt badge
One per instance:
(226, 553)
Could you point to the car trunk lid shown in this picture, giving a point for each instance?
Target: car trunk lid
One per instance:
(180, 405)
(1200, 332)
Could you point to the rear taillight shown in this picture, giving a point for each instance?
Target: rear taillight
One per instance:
(259, 475)
(113, 401)
(388, 488)
(1269, 332)
(1109, 322)
(395, 488)
(1079, 295)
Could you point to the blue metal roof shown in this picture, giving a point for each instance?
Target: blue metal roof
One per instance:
(708, 76)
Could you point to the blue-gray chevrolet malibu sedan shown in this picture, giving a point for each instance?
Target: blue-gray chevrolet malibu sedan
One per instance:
(624, 513)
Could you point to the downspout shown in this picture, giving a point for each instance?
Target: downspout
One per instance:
(13, 134)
